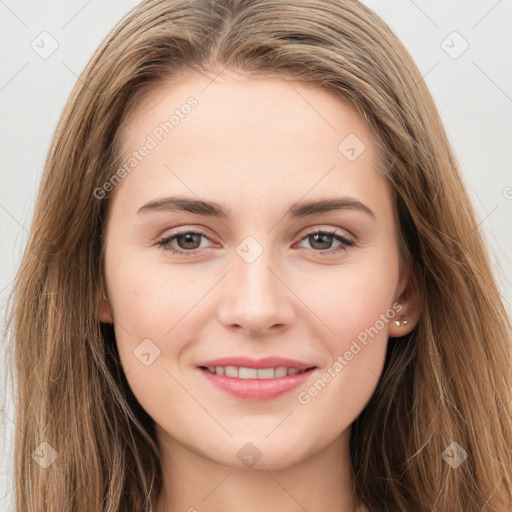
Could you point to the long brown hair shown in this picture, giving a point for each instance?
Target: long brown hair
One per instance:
(448, 381)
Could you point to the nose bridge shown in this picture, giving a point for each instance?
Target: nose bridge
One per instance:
(257, 284)
(257, 299)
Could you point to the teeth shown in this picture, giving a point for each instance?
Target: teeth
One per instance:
(254, 373)
(231, 371)
(266, 373)
(281, 371)
(247, 373)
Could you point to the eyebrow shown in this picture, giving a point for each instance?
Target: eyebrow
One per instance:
(213, 209)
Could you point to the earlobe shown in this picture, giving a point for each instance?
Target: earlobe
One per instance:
(105, 312)
(401, 325)
(412, 302)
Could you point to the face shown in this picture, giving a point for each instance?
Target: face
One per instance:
(217, 257)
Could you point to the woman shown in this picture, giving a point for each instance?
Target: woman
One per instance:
(255, 280)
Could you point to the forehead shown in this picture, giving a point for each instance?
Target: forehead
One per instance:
(248, 138)
(261, 106)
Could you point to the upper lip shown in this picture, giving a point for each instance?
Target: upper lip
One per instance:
(265, 362)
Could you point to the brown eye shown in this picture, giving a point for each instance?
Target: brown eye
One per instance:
(188, 240)
(186, 243)
(322, 241)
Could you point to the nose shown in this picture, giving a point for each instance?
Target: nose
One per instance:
(256, 300)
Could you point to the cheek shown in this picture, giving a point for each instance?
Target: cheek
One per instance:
(150, 298)
(155, 314)
(352, 299)
(356, 311)
(154, 308)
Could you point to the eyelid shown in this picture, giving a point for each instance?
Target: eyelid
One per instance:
(345, 241)
(305, 232)
(323, 228)
(184, 231)
(181, 230)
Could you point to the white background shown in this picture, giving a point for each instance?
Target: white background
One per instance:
(473, 93)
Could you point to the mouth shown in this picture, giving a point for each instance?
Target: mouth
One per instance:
(243, 372)
(251, 383)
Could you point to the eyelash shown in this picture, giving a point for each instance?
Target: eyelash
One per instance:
(345, 242)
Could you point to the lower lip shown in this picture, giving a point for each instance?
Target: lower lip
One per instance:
(257, 389)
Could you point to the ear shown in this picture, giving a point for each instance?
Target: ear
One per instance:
(104, 309)
(408, 296)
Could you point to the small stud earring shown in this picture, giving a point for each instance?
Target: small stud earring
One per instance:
(398, 323)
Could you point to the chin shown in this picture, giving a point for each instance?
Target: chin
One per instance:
(263, 456)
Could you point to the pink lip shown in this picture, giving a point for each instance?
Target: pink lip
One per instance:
(257, 389)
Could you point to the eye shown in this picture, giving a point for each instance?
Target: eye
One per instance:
(321, 241)
(188, 242)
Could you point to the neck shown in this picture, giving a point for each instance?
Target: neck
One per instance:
(191, 482)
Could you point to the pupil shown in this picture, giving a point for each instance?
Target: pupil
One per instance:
(318, 236)
(188, 240)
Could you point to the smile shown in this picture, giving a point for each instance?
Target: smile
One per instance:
(251, 383)
(253, 373)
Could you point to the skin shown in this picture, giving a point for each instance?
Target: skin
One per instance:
(256, 146)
